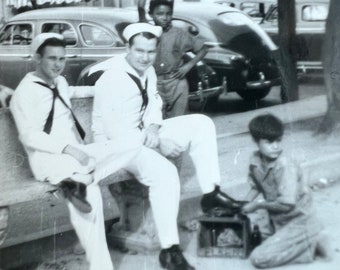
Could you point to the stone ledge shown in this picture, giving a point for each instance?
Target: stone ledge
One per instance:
(290, 112)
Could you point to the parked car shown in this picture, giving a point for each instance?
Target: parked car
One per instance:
(251, 71)
(91, 34)
(239, 54)
(254, 8)
(311, 18)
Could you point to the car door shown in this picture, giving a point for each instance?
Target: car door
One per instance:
(310, 29)
(15, 56)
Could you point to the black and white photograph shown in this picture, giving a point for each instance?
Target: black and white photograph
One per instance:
(169, 134)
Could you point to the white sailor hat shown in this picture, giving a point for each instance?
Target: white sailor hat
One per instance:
(41, 38)
(136, 28)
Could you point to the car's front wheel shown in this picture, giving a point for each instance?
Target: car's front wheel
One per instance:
(253, 94)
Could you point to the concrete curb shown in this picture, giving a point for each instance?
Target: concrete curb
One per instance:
(290, 112)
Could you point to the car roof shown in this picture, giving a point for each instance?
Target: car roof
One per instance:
(203, 10)
(308, 2)
(312, 1)
(68, 13)
(127, 14)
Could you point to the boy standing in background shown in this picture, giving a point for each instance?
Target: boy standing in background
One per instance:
(170, 69)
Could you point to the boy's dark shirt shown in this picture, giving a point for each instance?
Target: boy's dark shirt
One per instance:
(174, 43)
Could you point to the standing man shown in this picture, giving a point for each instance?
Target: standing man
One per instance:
(52, 138)
(127, 108)
(170, 68)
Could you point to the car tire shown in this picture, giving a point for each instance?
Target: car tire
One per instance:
(255, 94)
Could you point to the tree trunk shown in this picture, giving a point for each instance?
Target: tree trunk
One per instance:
(331, 64)
(287, 52)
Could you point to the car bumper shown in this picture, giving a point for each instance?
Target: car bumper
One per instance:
(260, 84)
(202, 94)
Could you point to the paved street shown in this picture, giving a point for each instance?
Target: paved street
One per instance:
(310, 85)
(233, 152)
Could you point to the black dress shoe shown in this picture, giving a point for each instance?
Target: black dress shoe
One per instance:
(75, 192)
(172, 259)
(218, 203)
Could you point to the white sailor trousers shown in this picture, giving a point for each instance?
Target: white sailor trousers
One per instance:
(110, 157)
(197, 134)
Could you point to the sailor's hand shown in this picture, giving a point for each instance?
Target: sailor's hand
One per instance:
(88, 162)
(249, 207)
(169, 148)
(5, 96)
(151, 138)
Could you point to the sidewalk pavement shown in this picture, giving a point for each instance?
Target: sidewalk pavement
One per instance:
(320, 156)
(300, 110)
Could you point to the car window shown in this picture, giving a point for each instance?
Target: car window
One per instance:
(273, 16)
(314, 12)
(64, 29)
(248, 6)
(16, 34)
(97, 36)
(253, 9)
(191, 28)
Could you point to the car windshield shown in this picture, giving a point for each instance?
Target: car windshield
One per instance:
(238, 23)
(314, 12)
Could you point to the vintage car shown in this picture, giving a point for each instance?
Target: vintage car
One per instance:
(91, 37)
(239, 50)
(311, 18)
(254, 8)
(94, 34)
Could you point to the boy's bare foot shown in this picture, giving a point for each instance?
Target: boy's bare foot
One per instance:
(323, 248)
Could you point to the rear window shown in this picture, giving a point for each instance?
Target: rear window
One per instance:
(64, 29)
(95, 36)
(16, 34)
(315, 12)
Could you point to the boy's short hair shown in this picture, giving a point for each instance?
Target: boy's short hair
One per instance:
(55, 42)
(266, 126)
(156, 3)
